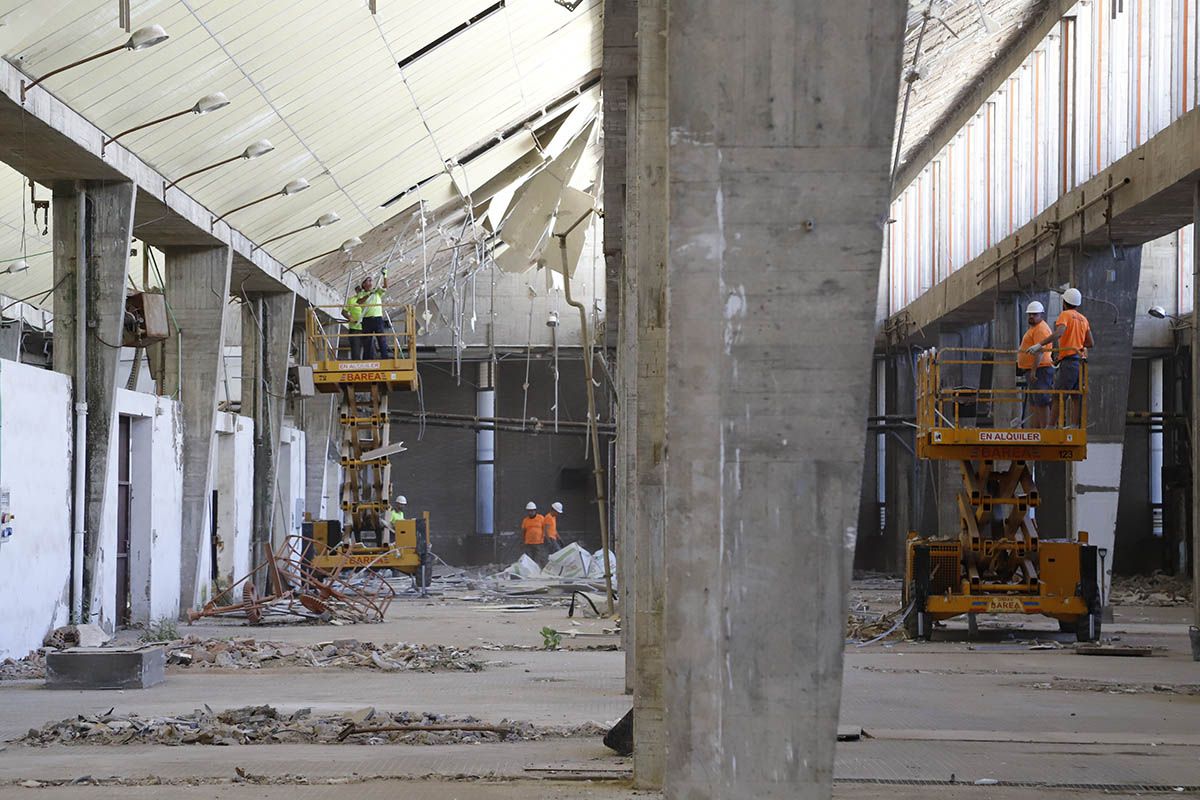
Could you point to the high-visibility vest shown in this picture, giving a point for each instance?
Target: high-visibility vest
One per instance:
(372, 303)
(354, 314)
(533, 529)
(550, 525)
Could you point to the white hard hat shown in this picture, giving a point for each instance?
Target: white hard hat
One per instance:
(531, 506)
(1073, 297)
(557, 507)
(402, 500)
(1035, 308)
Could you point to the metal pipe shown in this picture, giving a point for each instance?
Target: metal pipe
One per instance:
(485, 452)
(597, 470)
(80, 391)
(1156, 447)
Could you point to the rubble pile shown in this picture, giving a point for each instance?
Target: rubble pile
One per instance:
(1151, 590)
(864, 624)
(30, 667)
(266, 725)
(194, 652)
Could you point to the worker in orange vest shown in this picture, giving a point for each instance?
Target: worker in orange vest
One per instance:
(1040, 369)
(551, 527)
(1073, 333)
(533, 527)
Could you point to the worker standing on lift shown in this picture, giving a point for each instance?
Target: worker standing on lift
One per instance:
(533, 527)
(375, 344)
(353, 312)
(551, 527)
(1039, 369)
(1073, 333)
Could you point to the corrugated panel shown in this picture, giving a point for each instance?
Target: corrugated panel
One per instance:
(319, 79)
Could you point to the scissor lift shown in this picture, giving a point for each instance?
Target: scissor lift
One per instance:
(999, 562)
(361, 538)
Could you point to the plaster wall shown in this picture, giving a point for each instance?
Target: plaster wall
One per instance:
(233, 478)
(35, 471)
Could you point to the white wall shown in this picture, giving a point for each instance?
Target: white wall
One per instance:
(156, 515)
(35, 468)
(233, 478)
(289, 491)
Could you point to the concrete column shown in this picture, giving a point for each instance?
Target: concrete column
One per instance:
(1007, 330)
(197, 288)
(266, 333)
(316, 420)
(1109, 286)
(107, 229)
(650, 176)
(65, 204)
(627, 366)
(1195, 415)
(781, 118)
(901, 464)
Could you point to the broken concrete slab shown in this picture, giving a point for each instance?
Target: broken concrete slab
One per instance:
(106, 668)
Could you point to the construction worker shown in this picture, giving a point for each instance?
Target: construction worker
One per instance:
(397, 511)
(371, 299)
(1073, 333)
(353, 312)
(1039, 369)
(551, 527)
(534, 531)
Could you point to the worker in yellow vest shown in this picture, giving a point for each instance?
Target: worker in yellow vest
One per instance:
(375, 339)
(353, 312)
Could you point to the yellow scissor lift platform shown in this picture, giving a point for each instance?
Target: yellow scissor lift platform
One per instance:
(362, 538)
(999, 563)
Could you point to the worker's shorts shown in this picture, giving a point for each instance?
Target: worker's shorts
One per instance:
(1066, 378)
(1042, 379)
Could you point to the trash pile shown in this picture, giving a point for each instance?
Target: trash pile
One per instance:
(570, 563)
(31, 667)
(863, 624)
(1151, 590)
(266, 725)
(194, 652)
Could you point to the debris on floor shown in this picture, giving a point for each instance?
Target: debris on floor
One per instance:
(266, 725)
(194, 652)
(1098, 649)
(88, 635)
(1151, 590)
(864, 624)
(31, 667)
(570, 568)
(1113, 687)
(296, 592)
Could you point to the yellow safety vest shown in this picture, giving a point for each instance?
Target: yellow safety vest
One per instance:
(354, 314)
(372, 303)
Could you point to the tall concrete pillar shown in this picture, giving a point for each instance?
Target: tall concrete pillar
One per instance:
(781, 119)
(901, 473)
(1194, 405)
(650, 176)
(266, 334)
(316, 420)
(93, 224)
(627, 367)
(197, 288)
(1109, 285)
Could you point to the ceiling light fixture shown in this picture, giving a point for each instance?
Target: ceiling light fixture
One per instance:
(324, 220)
(290, 188)
(346, 247)
(255, 150)
(205, 105)
(141, 39)
(15, 267)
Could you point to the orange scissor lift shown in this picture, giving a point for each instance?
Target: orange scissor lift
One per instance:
(361, 538)
(999, 562)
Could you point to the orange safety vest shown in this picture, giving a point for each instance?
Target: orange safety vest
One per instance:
(551, 525)
(1075, 333)
(1038, 333)
(534, 529)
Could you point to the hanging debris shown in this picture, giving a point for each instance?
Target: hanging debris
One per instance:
(266, 725)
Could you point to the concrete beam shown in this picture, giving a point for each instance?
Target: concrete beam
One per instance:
(197, 285)
(47, 140)
(107, 222)
(651, 221)
(266, 334)
(1156, 201)
(779, 113)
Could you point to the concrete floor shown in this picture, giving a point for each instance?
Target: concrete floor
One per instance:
(990, 710)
